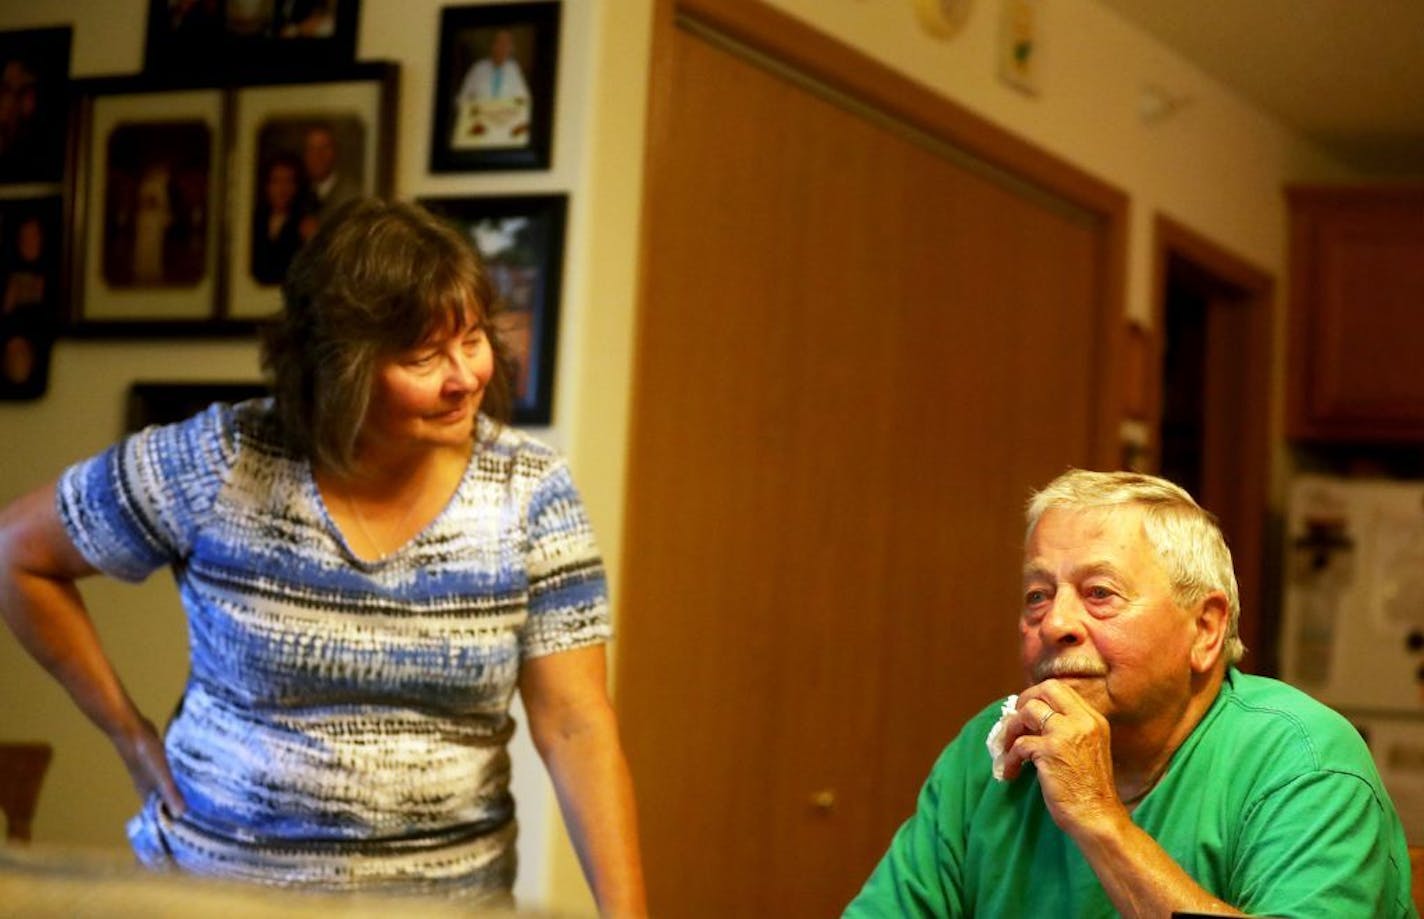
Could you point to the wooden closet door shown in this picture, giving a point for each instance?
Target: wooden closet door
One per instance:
(856, 356)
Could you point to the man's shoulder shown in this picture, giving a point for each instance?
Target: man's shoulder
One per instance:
(1280, 720)
(1273, 699)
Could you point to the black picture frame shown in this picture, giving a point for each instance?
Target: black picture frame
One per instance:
(521, 239)
(30, 296)
(151, 403)
(184, 274)
(481, 121)
(245, 40)
(145, 205)
(34, 72)
(354, 120)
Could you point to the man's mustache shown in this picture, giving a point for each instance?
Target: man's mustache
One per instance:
(1063, 665)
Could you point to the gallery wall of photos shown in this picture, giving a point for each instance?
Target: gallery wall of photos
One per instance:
(169, 203)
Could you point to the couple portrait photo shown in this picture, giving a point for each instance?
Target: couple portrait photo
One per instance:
(305, 169)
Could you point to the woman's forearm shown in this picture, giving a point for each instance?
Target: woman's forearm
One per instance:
(48, 618)
(595, 793)
(576, 732)
(41, 605)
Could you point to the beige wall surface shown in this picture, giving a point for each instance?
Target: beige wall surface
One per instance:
(1215, 165)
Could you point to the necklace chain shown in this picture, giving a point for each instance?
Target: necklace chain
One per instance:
(399, 527)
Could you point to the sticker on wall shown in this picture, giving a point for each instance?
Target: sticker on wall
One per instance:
(1020, 45)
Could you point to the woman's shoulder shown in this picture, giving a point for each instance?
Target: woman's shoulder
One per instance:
(236, 429)
(509, 444)
(250, 421)
(512, 459)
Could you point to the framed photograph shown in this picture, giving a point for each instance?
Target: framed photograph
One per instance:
(299, 150)
(521, 239)
(34, 73)
(243, 40)
(146, 199)
(165, 403)
(187, 204)
(494, 96)
(29, 293)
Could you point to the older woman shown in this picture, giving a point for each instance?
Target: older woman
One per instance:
(370, 563)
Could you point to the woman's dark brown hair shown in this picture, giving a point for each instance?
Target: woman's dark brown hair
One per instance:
(376, 278)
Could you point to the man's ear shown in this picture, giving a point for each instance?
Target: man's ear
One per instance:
(1211, 622)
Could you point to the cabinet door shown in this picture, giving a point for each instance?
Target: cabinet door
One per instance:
(1357, 314)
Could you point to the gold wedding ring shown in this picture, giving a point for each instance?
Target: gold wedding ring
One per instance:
(1043, 722)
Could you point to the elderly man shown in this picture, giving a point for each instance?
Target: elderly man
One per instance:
(1142, 773)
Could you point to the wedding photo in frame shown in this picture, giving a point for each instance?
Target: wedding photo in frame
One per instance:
(521, 239)
(249, 39)
(494, 97)
(145, 200)
(34, 76)
(299, 150)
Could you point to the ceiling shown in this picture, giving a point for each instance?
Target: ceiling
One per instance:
(1348, 74)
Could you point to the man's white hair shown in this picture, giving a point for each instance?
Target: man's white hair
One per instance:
(1187, 539)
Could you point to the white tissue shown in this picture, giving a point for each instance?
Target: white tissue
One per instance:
(995, 741)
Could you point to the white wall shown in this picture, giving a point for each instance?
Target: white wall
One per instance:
(1216, 166)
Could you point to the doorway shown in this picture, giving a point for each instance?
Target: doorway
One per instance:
(1214, 313)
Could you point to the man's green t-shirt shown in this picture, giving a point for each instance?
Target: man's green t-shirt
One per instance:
(1272, 804)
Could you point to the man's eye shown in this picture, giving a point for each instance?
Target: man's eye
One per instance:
(1035, 597)
(1098, 593)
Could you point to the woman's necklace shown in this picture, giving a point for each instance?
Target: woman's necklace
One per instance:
(398, 527)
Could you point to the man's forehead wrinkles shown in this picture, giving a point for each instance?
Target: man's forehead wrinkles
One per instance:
(1036, 569)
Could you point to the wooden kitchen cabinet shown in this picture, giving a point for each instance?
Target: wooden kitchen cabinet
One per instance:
(1356, 319)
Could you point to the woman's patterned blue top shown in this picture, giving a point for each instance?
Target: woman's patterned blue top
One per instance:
(345, 722)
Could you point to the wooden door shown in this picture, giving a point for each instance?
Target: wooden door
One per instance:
(857, 353)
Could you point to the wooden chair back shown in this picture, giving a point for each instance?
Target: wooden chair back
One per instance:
(22, 770)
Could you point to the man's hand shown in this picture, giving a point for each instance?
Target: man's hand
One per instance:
(1069, 743)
